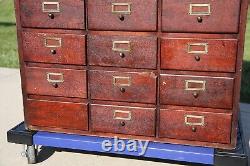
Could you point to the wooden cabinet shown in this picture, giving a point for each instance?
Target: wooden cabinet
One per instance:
(160, 70)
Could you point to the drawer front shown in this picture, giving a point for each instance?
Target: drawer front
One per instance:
(123, 86)
(122, 51)
(57, 114)
(199, 54)
(122, 119)
(122, 15)
(200, 16)
(66, 14)
(56, 82)
(204, 91)
(54, 48)
(194, 124)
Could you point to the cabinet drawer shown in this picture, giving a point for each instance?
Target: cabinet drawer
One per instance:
(122, 15)
(199, 54)
(66, 14)
(195, 124)
(57, 114)
(54, 48)
(200, 16)
(204, 91)
(56, 82)
(123, 86)
(122, 51)
(123, 119)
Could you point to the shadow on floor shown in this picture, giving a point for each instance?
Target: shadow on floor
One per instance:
(245, 84)
(6, 24)
(45, 153)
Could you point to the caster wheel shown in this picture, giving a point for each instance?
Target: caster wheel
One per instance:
(31, 154)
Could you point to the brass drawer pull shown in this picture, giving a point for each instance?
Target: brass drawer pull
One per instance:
(55, 77)
(122, 115)
(195, 85)
(205, 12)
(204, 50)
(50, 7)
(121, 46)
(121, 81)
(52, 42)
(200, 119)
(116, 8)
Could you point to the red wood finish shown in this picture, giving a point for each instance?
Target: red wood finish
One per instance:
(54, 48)
(56, 82)
(122, 51)
(64, 115)
(131, 15)
(195, 124)
(222, 18)
(66, 14)
(123, 119)
(199, 54)
(123, 86)
(203, 91)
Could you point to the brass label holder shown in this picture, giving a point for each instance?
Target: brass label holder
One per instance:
(188, 123)
(191, 51)
(121, 81)
(51, 80)
(45, 8)
(58, 40)
(118, 49)
(127, 113)
(127, 5)
(200, 13)
(202, 84)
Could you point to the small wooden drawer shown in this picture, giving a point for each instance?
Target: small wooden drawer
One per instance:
(122, 51)
(54, 48)
(204, 91)
(65, 14)
(56, 82)
(199, 54)
(123, 86)
(200, 16)
(131, 15)
(195, 124)
(123, 119)
(54, 114)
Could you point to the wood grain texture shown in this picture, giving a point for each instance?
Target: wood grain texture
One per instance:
(142, 86)
(71, 15)
(221, 54)
(64, 115)
(216, 128)
(218, 92)
(71, 51)
(74, 84)
(143, 16)
(100, 51)
(104, 118)
(224, 17)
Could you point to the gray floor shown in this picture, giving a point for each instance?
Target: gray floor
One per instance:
(11, 114)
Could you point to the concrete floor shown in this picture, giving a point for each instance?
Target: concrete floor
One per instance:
(11, 114)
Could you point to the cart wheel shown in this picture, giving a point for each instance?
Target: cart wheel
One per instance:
(31, 154)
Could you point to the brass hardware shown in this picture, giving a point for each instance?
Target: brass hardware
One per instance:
(194, 129)
(122, 123)
(121, 81)
(196, 95)
(127, 5)
(122, 55)
(199, 19)
(121, 17)
(59, 79)
(201, 13)
(53, 52)
(191, 51)
(117, 49)
(45, 8)
(52, 16)
(123, 90)
(188, 88)
(201, 118)
(58, 40)
(197, 58)
(127, 115)
(55, 85)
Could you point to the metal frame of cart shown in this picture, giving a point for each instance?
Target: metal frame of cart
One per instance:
(160, 151)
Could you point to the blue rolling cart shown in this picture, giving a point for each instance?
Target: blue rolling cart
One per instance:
(156, 151)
